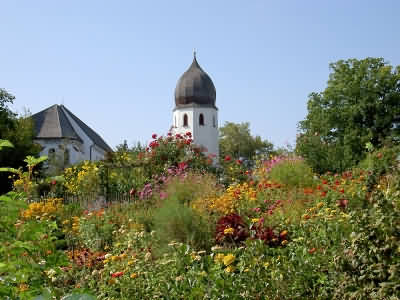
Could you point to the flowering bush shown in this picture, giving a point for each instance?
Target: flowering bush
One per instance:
(231, 229)
(82, 179)
(45, 209)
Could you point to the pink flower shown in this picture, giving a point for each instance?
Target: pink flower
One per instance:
(163, 195)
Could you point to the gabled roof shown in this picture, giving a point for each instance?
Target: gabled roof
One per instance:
(97, 139)
(53, 123)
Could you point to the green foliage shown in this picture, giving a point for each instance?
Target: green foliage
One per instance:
(20, 132)
(292, 172)
(176, 220)
(5, 143)
(360, 104)
(27, 250)
(370, 266)
(96, 232)
(237, 142)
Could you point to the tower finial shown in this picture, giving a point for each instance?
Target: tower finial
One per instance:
(194, 53)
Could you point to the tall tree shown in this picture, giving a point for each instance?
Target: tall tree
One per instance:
(19, 131)
(360, 104)
(236, 141)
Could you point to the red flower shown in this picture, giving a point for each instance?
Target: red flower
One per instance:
(154, 136)
(169, 133)
(323, 193)
(182, 165)
(239, 162)
(178, 136)
(132, 192)
(154, 144)
(53, 182)
(117, 274)
(188, 133)
(342, 203)
(227, 158)
(312, 250)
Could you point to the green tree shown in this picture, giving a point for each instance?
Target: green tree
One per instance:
(236, 141)
(360, 104)
(19, 131)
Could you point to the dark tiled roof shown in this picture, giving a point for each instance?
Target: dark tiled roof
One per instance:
(195, 86)
(89, 132)
(53, 123)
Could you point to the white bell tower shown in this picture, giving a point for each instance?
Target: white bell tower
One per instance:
(195, 109)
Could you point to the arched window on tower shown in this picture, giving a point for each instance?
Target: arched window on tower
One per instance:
(185, 120)
(201, 120)
(214, 122)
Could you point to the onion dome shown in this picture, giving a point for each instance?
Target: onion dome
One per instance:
(195, 87)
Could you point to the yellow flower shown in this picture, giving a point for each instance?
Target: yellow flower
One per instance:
(229, 259)
(228, 230)
(131, 262)
(266, 265)
(320, 204)
(219, 258)
(284, 242)
(134, 275)
(23, 287)
(255, 220)
(230, 269)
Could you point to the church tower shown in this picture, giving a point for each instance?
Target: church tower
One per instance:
(195, 109)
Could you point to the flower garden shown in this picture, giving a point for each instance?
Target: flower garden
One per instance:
(190, 231)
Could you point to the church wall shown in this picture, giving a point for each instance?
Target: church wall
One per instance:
(205, 135)
(59, 145)
(90, 151)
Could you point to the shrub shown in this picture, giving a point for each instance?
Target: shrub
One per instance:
(292, 172)
(370, 264)
(176, 220)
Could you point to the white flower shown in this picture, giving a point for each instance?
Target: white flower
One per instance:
(108, 255)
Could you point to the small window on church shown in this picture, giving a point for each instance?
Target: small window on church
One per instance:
(175, 121)
(214, 122)
(185, 120)
(201, 120)
(52, 154)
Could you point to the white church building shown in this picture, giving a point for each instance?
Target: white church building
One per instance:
(62, 134)
(195, 109)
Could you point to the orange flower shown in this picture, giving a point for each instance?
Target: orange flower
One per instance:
(312, 250)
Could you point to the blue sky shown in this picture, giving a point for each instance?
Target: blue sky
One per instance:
(115, 64)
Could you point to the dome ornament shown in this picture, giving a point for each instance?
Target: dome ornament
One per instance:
(195, 87)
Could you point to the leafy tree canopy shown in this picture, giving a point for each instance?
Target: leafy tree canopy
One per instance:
(360, 104)
(19, 131)
(236, 141)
